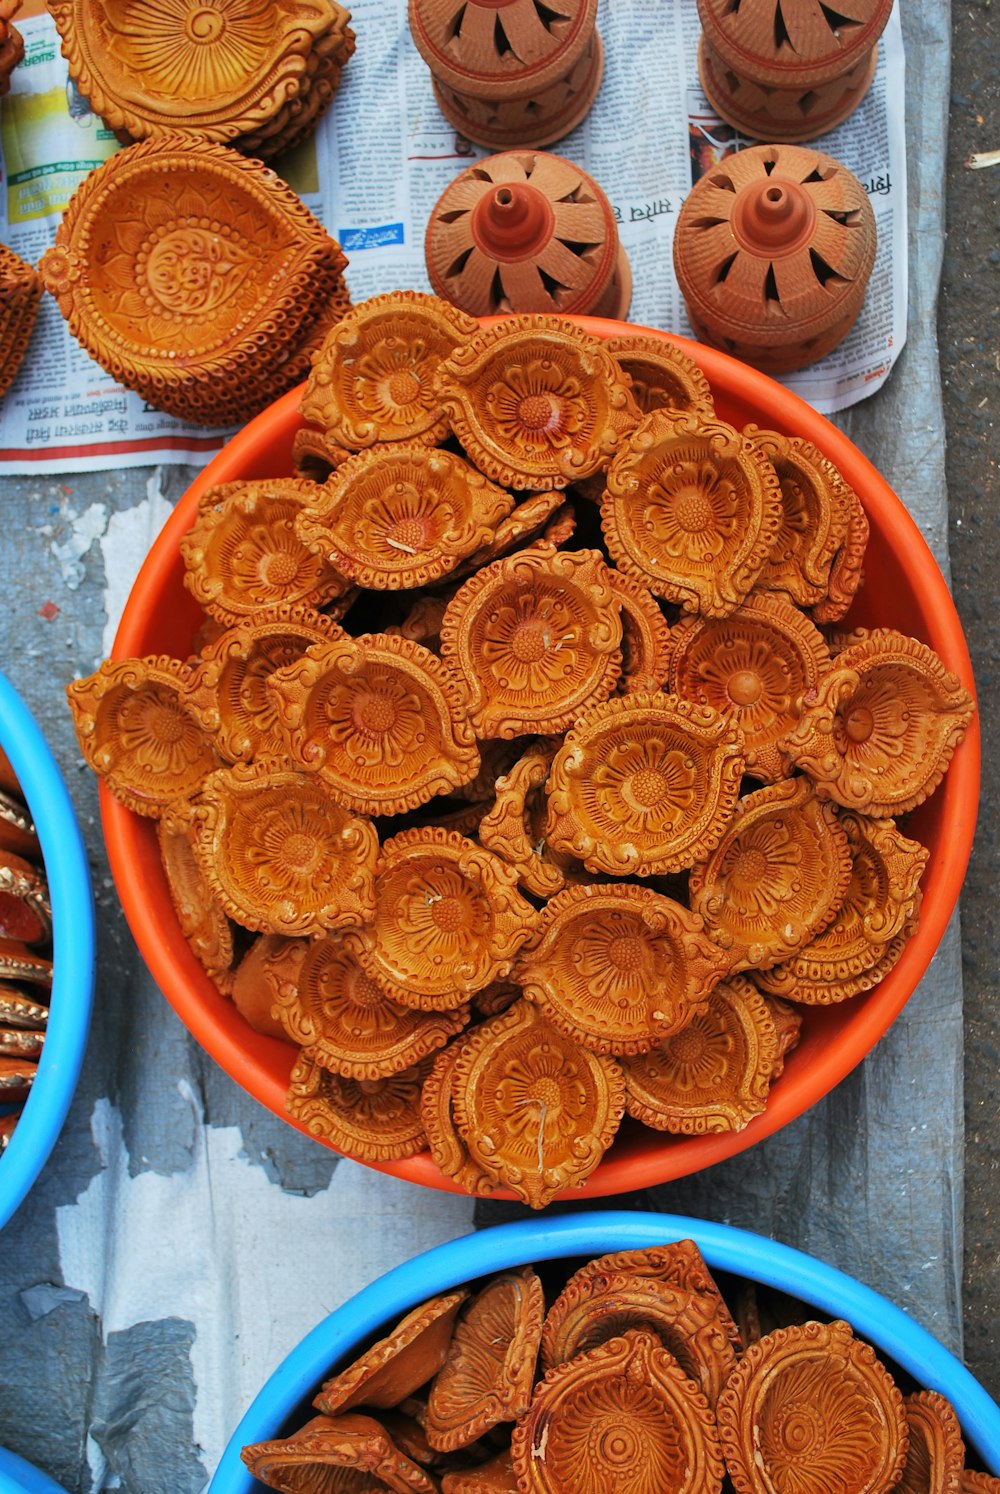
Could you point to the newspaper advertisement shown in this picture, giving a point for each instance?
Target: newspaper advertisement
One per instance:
(372, 172)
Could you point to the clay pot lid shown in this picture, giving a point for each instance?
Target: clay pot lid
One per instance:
(935, 1454)
(243, 557)
(644, 785)
(792, 46)
(25, 906)
(510, 828)
(489, 1370)
(228, 692)
(501, 49)
(17, 1009)
(536, 402)
(402, 515)
(448, 919)
(334, 1009)
(398, 1364)
(351, 1454)
(691, 510)
(526, 231)
(379, 719)
(446, 1145)
(536, 639)
(619, 967)
(772, 251)
(532, 1106)
(281, 856)
(875, 918)
(137, 733)
(271, 960)
(809, 1403)
(20, 293)
(662, 374)
(754, 666)
(883, 728)
(373, 379)
(23, 966)
(776, 877)
(370, 1120)
(623, 1415)
(201, 916)
(712, 1076)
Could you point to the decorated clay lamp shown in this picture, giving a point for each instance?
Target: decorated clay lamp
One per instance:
(17, 828)
(25, 909)
(271, 960)
(23, 967)
(201, 916)
(513, 826)
(397, 1365)
(507, 72)
(372, 1120)
(495, 1477)
(444, 1140)
(11, 43)
(524, 527)
(351, 1452)
(935, 1455)
(808, 1403)
(623, 1415)
(313, 456)
(527, 232)
(662, 374)
(20, 293)
(788, 72)
(20, 1010)
(772, 251)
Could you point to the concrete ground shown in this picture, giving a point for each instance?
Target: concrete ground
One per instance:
(969, 334)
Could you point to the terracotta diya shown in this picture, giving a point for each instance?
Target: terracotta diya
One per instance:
(20, 293)
(373, 1120)
(527, 231)
(510, 73)
(935, 1456)
(772, 251)
(513, 826)
(350, 1454)
(788, 72)
(661, 374)
(202, 918)
(397, 1365)
(11, 43)
(271, 960)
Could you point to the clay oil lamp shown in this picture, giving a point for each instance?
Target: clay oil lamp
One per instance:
(662, 375)
(332, 1007)
(296, 119)
(25, 909)
(17, 828)
(448, 919)
(787, 1024)
(20, 293)
(17, 1075)
(313, 456)
(808, 1405)
(512, 826)
(21, 1042)
(712, 1076)
(536, 640)
(527, 524)
(349, 1454)
(373, 379)
(777, 876)
(788, 72)
(11, 43)
(846, 573)
(372, 1120)
(495, 1477)
(201, 916)
(136, 731)
(444, 1140)
(422, 623)
(935, 1456)
(228, 688)
(872, 925)
(645, 636)
(280, 855)
(979, 1483)
(25, 969)
(506, 72)
(536, 402)
(526, 231)
(691, 510)
(883, 728)
(17, 1009)
(379, 719)
(623, 1415)
(532, 1106)
(271, 960)
(773, 251)
(243, 556)
(193, 276)
(644, 785)
(619, 968)
(489, 1372)
(754, 666)
(397, 1365)
(402, 515)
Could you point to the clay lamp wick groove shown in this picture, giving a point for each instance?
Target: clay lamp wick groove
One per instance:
(514, 222)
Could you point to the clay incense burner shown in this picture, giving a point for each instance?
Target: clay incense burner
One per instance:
(773, 251)
(788, 71)
(527, 231)
(510, 72)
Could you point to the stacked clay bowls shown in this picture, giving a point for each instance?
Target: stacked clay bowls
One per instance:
(68, 879)
(283, 1404)
(904, 589)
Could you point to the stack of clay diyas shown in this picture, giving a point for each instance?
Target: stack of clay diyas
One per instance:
(512, 776)
(20, 293)
(255, 77)
(11, 42)
(635, 1376)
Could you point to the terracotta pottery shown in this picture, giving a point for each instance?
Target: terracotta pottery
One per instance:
(772, 251)
(509, 72)
(11, 45)
(935, 1454)
(788, 72)
(372, 1120)
(8, 1122)
(788, 1025)
(979, 1483)
(23, 966)
(25, 908)
(202, 918)
(443, 1138)
(812, 1405)
(495, 1477)
(297, 119)
(228, 72)
(527, 232)
(20, 293)
(512, 826)
(621, 1416)
(645, 636)
(661, 374)
(17, 1075)
(270, 960)
(17, 1009)
(349, 1454)
(528, 523)
(193, 276)
(313, 456)
(397, 1365)
(20, 1042)
(17, 829)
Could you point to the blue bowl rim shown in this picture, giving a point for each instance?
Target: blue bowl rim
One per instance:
(19, 1477)
(590, 1234)
(68, 876)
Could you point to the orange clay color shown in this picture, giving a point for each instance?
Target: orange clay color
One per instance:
(662, 374)
(20, 293)
(371, 1120)
(645, 636)
(447, 1148)
(398, 1364)
(350, 1454)
(201, 916)
(510, 827)
(935, 1454)
(271, 962)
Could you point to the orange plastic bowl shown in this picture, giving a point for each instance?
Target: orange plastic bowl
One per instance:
(904, 589)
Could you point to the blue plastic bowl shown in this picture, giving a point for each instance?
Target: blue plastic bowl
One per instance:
(379, 1306)
(19, 1477)
(73, 952)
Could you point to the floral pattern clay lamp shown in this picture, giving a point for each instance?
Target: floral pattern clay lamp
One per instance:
(504, 76)
(527, 232)
(773, 251)
(11, 43)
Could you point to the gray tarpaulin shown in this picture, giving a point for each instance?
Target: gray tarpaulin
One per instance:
(181, 1239)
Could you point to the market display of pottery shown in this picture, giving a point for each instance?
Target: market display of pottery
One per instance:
(20, 293)
(11, 42)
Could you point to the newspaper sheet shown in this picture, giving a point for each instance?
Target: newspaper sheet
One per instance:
(377, 164)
